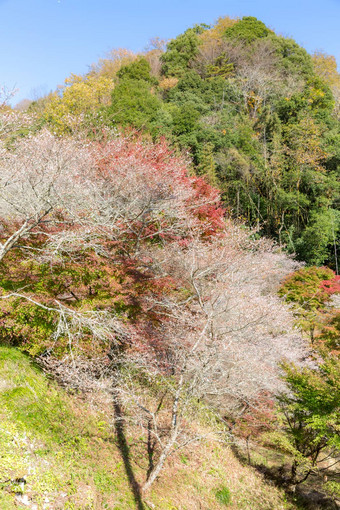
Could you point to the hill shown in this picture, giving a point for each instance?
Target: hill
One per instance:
(146, 212)
(258, 115)
(58, 451)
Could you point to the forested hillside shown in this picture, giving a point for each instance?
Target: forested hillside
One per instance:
(258, 114)
(169, 228)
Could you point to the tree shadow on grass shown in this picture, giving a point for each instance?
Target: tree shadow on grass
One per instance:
(308, 495)
(125, 453)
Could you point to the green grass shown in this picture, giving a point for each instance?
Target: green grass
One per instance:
(57, 444)
(223, 495)
(69, 456)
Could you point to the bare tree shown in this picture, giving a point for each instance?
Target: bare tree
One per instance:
(6, 94)
(209, 329)
(220, 344)
(61, 197)
(23, 105)
(112, 62)
(37, 178)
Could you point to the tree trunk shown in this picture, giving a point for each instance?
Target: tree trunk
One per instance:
(294, 472)
(157, 468)
(160, 463)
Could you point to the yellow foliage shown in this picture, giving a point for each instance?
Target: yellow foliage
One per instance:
(78, 97)
(217, 31)
(326, 67)
(211, 41)
(168, 83)
(73, 78)
(112, 63)
(305, 144)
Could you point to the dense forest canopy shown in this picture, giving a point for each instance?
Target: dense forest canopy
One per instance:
(258, 114)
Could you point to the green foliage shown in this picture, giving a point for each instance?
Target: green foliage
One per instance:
(329, 333)
(316, 99)
(221, 67)
(262, 108)
(137, 70)
(223, 496)
(316, 398)
(333, 488)
(311, 411)
(184, 119)
(133, 104)
(180, 52)
(292, 58)
(269, 160)
(304, 291)
(247, 30)
(320, 237)
(303, 287)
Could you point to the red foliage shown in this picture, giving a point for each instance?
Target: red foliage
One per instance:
(155, 173)
(208, 206)
(257, 418)
(331, 286)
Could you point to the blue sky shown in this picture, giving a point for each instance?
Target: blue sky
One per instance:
(43, 41)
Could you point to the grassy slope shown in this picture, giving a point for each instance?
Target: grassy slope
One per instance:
(70, 456)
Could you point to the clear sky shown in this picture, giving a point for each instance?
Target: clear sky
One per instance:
(43, 41)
